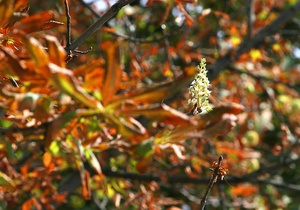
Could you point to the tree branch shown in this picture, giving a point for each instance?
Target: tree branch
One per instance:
(100, 22)
(259, 77)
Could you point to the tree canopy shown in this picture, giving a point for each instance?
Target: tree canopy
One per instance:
(153, 104)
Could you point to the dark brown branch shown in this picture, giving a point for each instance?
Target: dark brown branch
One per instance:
(123, 36)
(259, 77)
(213, 179)
(99, 23)
(68, 36)
(72, 178)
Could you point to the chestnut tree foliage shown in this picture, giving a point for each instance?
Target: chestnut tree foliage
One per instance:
(95, 111)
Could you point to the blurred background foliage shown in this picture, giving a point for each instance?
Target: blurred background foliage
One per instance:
(112, 128)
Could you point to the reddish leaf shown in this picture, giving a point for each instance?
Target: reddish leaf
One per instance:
(50, 24)
(38, 22)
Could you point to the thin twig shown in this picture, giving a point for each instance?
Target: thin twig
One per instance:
(89, 7)
(68, 36)
(99, 23)
(216, 175)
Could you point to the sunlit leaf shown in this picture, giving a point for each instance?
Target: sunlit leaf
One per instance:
(6, 181)
(57, 54)
(114, 71)
(64, 80)
(93, 160)
(37, 53)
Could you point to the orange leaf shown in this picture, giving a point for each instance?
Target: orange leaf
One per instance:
(47, 158)
(244, 190)
(57, 54)
(37, 22)
(114, 71)
(37, 53)
(6, 10)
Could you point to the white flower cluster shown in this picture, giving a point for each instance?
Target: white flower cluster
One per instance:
(199, 89)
